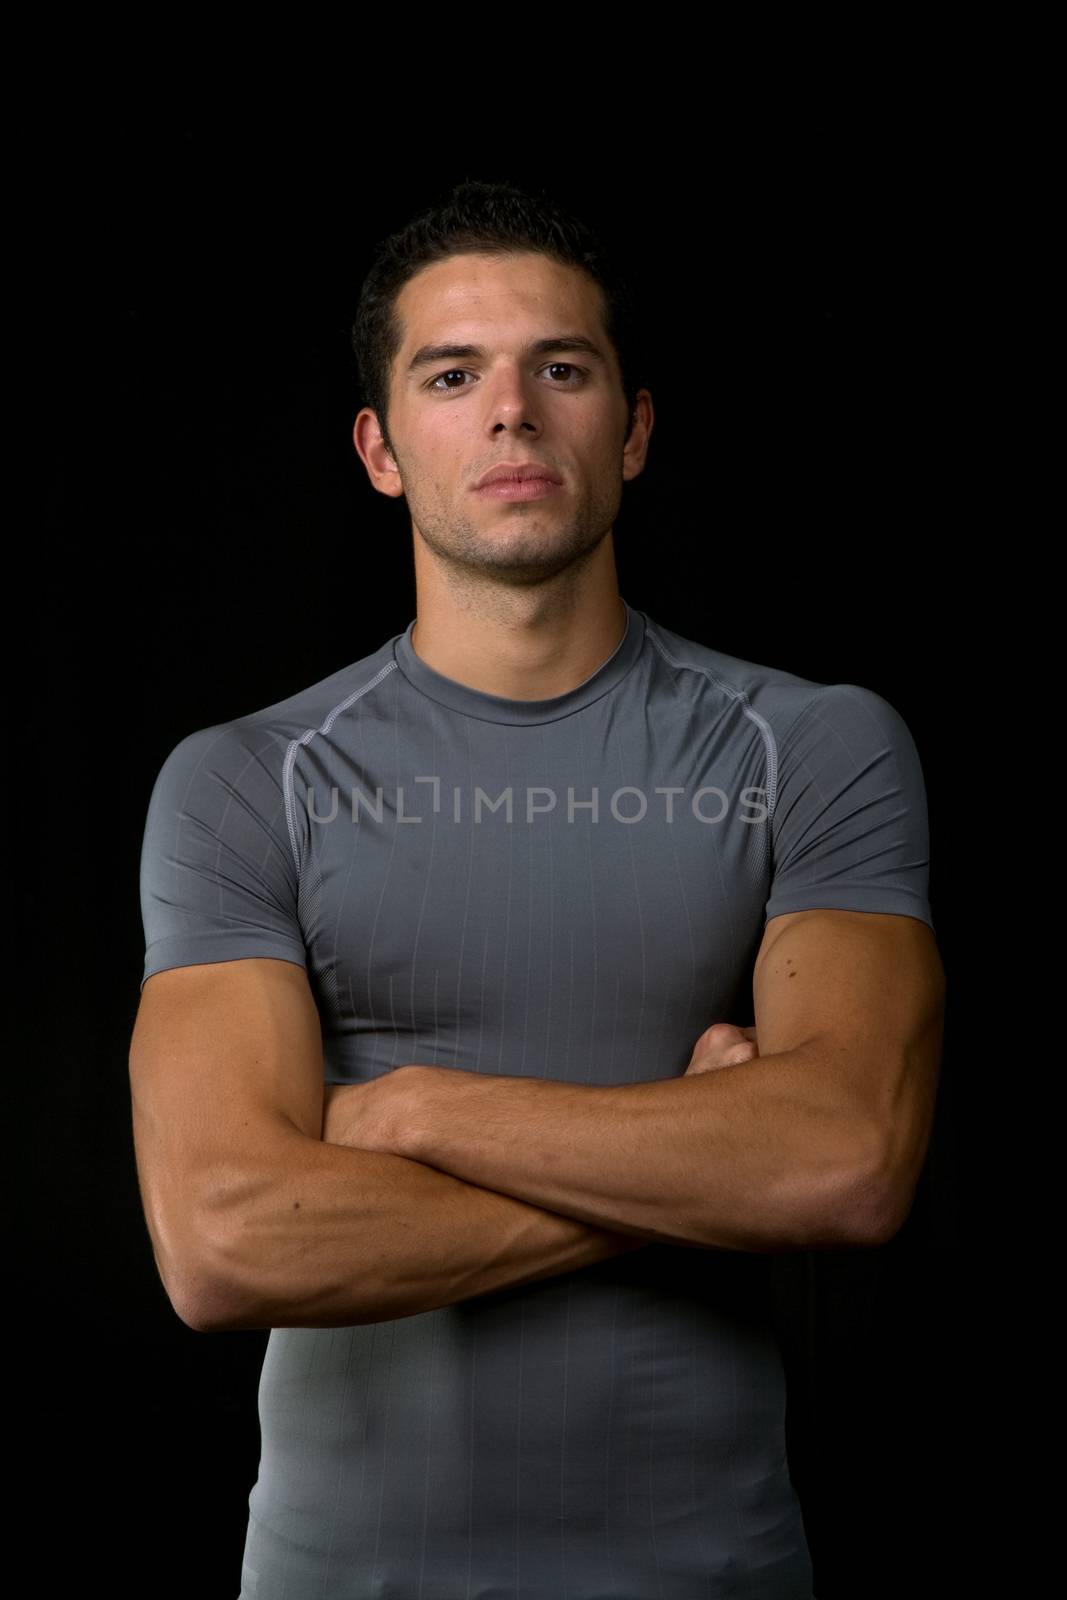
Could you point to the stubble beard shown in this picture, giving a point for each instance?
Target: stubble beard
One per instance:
(521, 544)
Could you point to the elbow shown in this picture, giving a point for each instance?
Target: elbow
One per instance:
(201, 1284)
(850, 1200)
(855, 1212)
(888, 1216)
(882, 1195)
(189, 1311)
(205, 1309)
(864, 1215)
(203, 1301)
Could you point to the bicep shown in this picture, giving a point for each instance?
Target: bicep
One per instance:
(225, 1065)
(844, 973)
(862, 994)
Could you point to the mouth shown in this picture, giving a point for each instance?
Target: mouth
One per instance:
(519, 489)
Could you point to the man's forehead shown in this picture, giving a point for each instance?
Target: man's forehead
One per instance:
(464, 297)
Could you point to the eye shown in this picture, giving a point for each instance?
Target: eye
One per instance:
(443, 386)
(456, 372)
(566, 366)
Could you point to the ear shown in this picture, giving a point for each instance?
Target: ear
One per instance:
(635, 449)
(372, 450)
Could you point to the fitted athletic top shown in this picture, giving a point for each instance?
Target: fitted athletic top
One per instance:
(569, 888)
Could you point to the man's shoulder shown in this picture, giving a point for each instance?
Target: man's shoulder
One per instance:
(267, 734)
(763, 688)
(791, 711)
(314, 707)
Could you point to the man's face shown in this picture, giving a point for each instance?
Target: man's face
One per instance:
(454, 415)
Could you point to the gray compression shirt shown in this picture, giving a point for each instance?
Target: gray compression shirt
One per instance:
(571, 888)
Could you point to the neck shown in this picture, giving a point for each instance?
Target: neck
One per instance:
(524, 642)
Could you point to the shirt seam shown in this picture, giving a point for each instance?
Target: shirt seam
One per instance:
(766, 731)
(524, 722)
(294, 747)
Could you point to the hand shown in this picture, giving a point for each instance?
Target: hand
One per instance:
(722, 1045)
(372, 1115)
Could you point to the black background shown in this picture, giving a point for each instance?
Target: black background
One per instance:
(210, 543)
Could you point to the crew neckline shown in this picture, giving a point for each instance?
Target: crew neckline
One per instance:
(498, 708)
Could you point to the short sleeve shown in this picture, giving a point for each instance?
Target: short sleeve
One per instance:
(849, 824)
(219, 878)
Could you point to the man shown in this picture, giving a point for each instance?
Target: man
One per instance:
(438, 1071)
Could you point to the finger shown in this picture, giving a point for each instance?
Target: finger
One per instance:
(733, 1056)
(717, 1035)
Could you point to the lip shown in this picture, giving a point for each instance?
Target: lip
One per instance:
(517, 472)
(518, 489)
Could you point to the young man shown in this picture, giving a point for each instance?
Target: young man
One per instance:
(436, 1071)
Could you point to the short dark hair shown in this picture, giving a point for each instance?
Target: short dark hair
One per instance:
(493, 219)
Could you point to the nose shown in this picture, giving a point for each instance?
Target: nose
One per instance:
(511, 404)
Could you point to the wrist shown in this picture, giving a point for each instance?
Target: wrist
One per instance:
(433, 1096)
(414, 1113)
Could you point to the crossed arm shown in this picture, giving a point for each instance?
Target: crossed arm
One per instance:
(817, 1142)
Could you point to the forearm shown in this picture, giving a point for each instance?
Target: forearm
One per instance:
(324, 1236)
(751, 1157)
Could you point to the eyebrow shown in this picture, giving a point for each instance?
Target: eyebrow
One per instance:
(430, 354)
